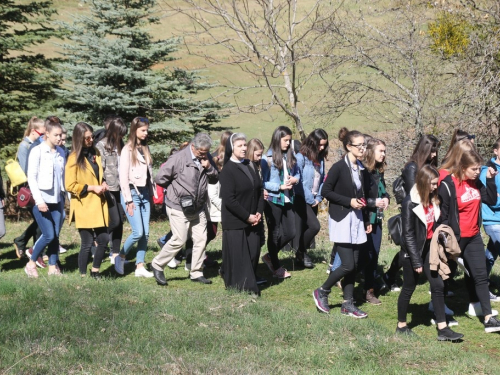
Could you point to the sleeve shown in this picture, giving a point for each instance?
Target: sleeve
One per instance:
(309, 198)
(409, 174)
(212, 171)
(328, 188)
(167, 173)
(124, 173)
(444, 199)
(22, 156)
(267, 171)
(228, 194)
(408, 219)
(319, 197)
(2, 191)
(386, 194)
(489, 193)
(33, 170)
(71, 178)
(213, 195)
(100, 147)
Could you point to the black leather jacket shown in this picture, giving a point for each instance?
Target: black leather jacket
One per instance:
(414, 229)
(409, 175)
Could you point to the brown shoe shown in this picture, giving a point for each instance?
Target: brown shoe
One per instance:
(19, 251)
(370, 298)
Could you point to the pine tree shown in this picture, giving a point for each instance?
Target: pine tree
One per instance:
(111, 68)
(26, 79)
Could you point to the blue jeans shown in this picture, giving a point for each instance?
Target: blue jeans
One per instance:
(139, 222)
(493, 249)
(50, 224)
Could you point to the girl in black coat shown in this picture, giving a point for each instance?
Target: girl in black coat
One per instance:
(242, 206)
(345, 188)
(425, 153)
(419, 214)
(461, 194)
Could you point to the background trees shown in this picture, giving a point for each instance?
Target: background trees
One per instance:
(113, 65)
(26, 79)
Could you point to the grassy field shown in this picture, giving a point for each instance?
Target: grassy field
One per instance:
(127, 325)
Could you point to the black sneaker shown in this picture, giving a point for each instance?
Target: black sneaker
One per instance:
(349, 308)
(492, 325)
(304, 260)
(321, 300)
(405, 331)
(447, 334)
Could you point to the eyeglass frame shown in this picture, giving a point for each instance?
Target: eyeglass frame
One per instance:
(360, 146)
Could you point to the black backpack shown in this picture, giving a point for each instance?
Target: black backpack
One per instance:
(398, 189)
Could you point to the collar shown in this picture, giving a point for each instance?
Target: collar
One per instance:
(191, 151)
(358, 163)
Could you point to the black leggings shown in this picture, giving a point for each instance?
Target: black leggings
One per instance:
(115, 236)
(306, 223)
(410, 280)
(349, 255)
(280, 228)
(477, 283)
(87, 238)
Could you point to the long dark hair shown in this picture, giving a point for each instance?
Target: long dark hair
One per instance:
(275, 147)
(137, 123)
(115, 132)
(423, 150)
(77, 141)
(310, 146)
(423, 180)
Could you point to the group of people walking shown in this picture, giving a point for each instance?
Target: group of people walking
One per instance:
(240, 184)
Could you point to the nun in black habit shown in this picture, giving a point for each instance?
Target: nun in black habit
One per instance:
(242, 206)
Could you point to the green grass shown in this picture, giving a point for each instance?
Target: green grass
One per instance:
(127, 325)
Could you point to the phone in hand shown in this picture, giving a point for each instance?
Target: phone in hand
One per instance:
(362, 201)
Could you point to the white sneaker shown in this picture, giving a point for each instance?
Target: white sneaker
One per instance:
(119, 265)
(476, 310)
(447, 310)
(143, 272)
(62, 250)
(173, 263)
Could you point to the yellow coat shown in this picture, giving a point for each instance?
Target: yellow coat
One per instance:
(91, 210)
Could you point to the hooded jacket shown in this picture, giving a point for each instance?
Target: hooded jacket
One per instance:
(491, 212)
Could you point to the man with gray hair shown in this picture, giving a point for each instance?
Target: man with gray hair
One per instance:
(185, 176)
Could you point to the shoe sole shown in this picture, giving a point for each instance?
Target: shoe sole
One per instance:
(18, 253)
(146, 277)
(318, 306)
(280, 277)
(492, 329)
(354, 316)
(40, 265)
(442, 338)
(373, 303)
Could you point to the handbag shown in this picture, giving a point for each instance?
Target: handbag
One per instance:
(25, 198)
(187, 205)
(15, 173)
(395, 227)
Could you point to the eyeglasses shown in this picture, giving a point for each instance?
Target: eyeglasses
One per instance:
(37, 132)
(89, 138)
(360, 146)
(469, 137)
(143, 119)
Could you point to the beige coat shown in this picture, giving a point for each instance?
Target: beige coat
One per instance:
(438, 259)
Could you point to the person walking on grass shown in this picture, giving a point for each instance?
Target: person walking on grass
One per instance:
(311, 165)
(461, 194)
(279, 173)
(419, 215)
(46, 181)
(88, 205)
(185, 176)
(110, 148)
(137, 189)
(2, 208)
(242, 207)
(346, 187)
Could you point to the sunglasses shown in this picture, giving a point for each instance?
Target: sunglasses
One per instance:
(143, 119)
(89, 138)
(40, 134)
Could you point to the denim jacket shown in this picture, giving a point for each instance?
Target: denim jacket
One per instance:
(273, 178)
(306, 170)
(491, 214)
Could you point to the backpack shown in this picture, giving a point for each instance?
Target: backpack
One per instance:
(398, 189)
(395, 228)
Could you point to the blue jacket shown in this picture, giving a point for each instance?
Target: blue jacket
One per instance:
(491, 214)
(306, 171)
(273, 177)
